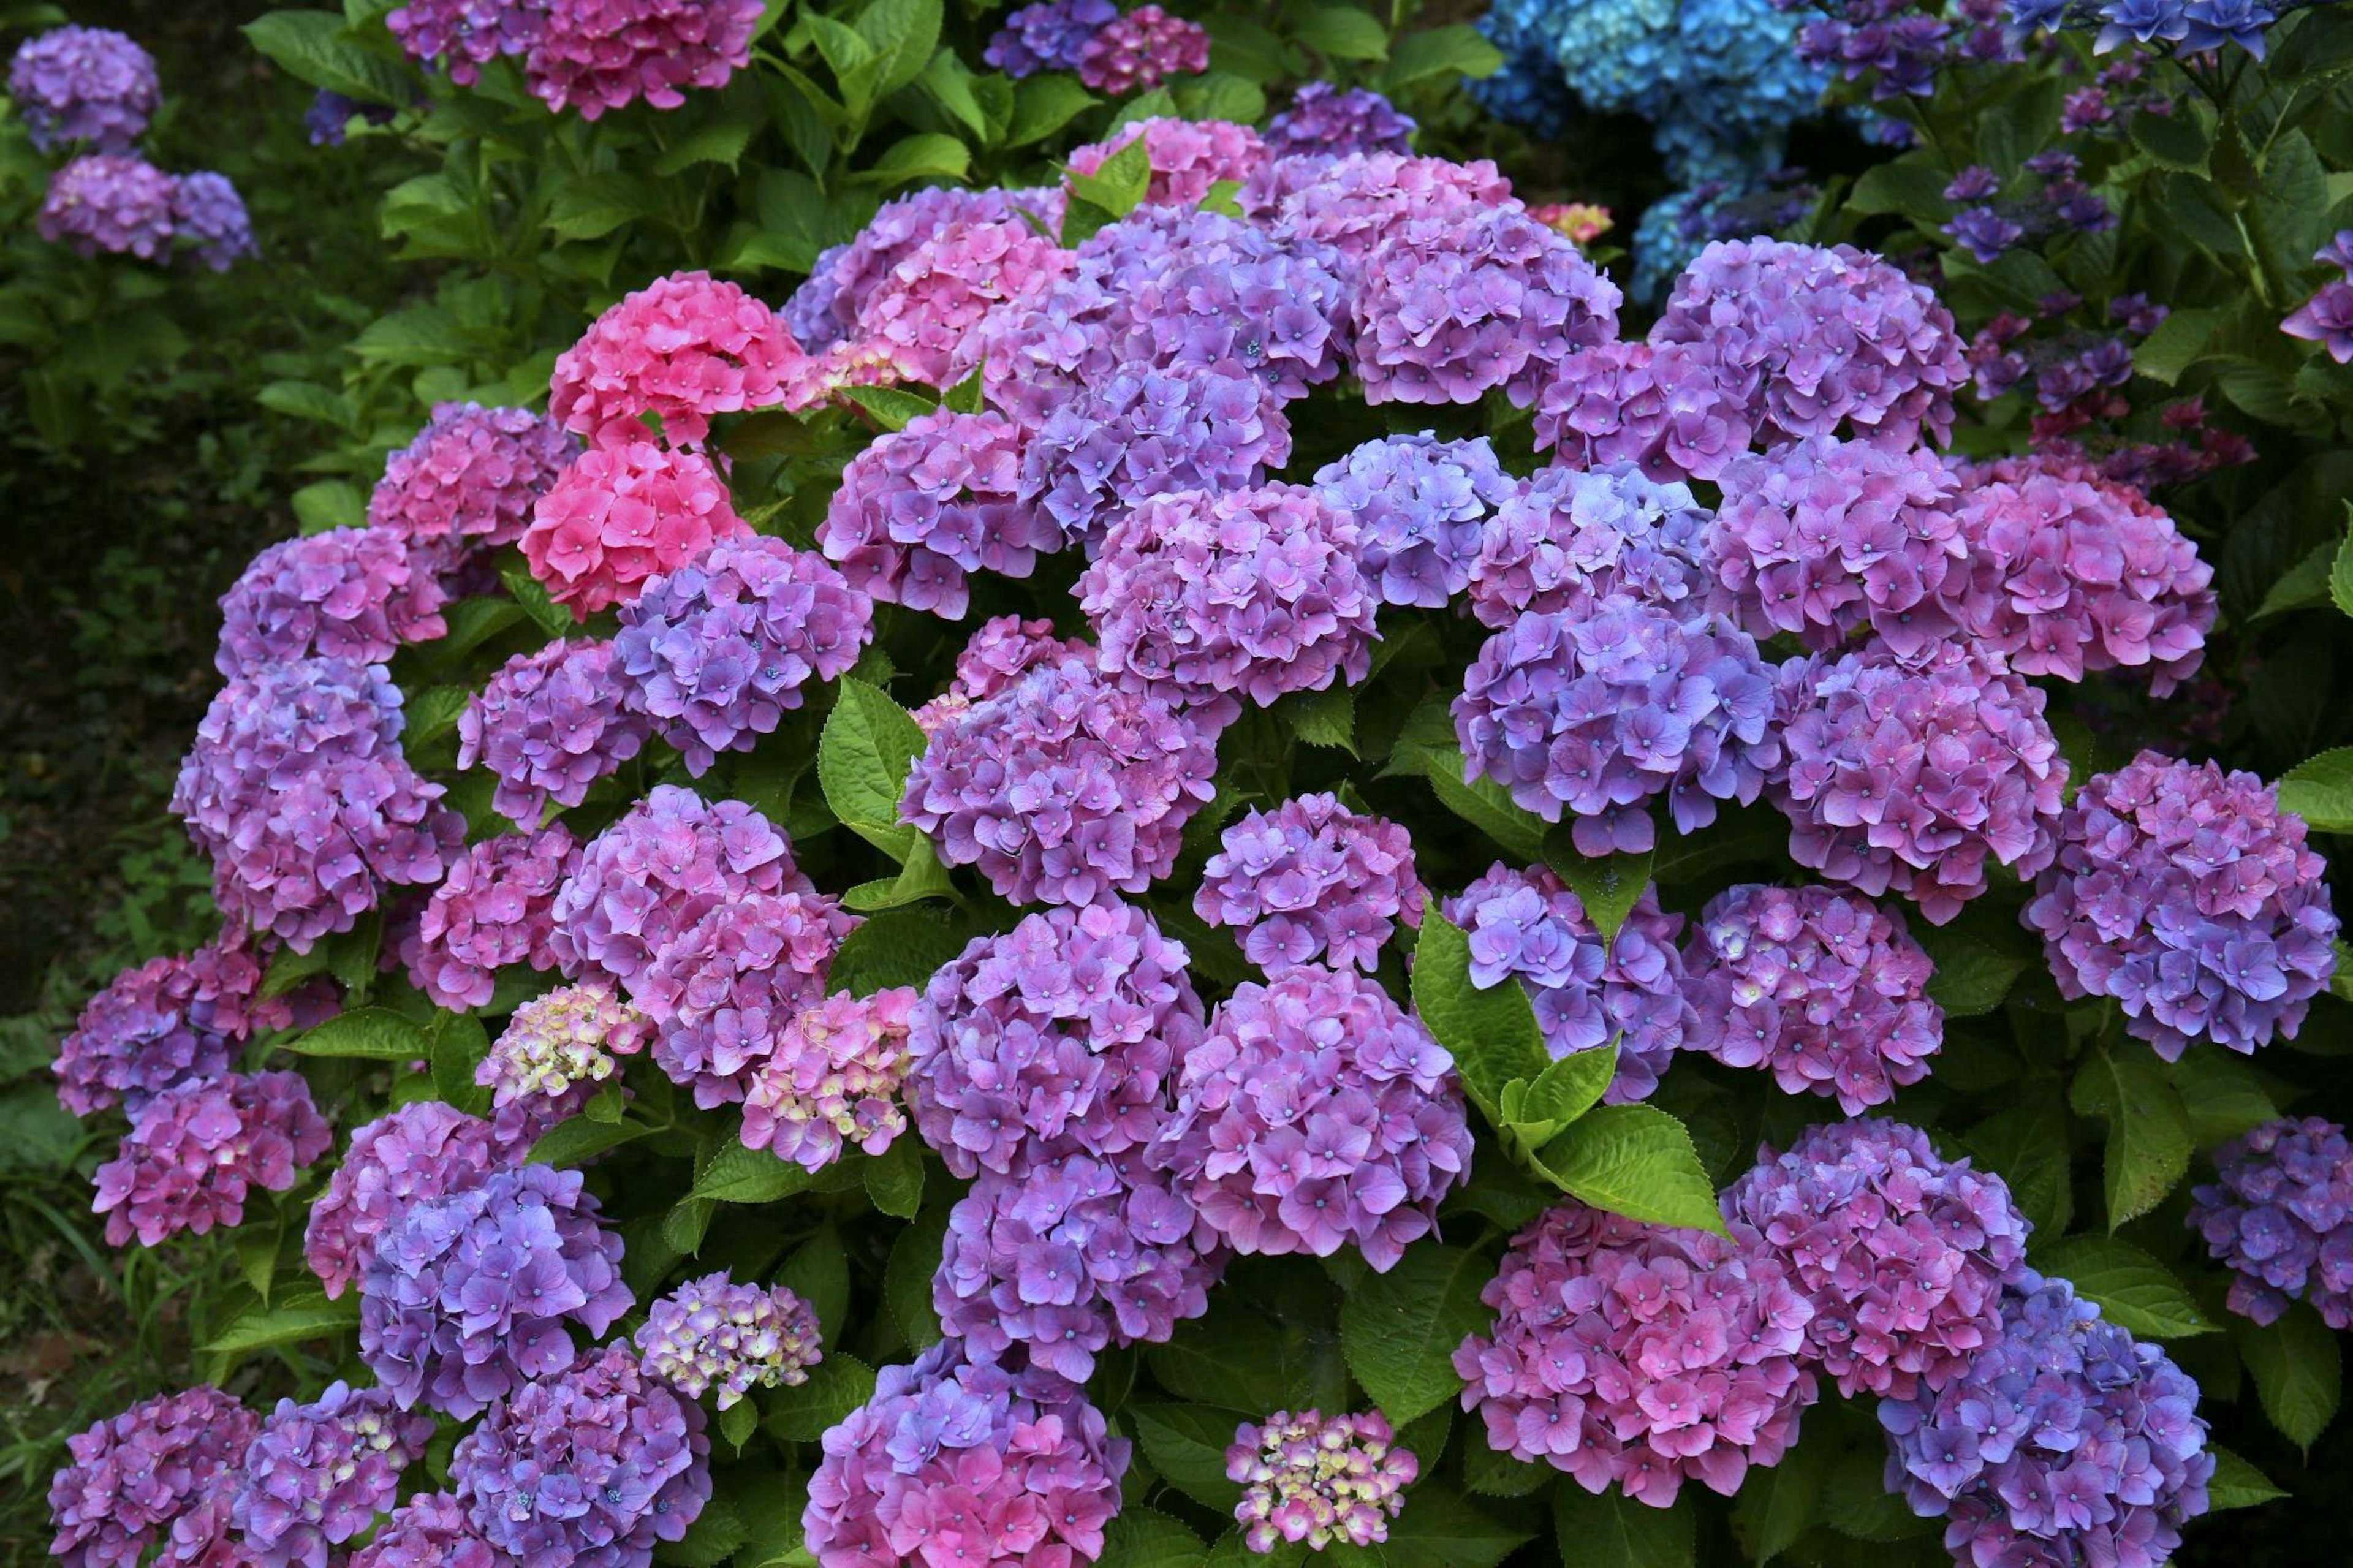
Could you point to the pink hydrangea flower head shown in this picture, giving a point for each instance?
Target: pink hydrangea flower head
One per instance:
(552, 1055)
(825, 308)
(428, 1530)
(130, 1476)
(349, 592)
(1668, 408)
(1318, 1479)
(1000, 653)
(414, 1153)
(715, 1333)
(88, 84)
(1641, 1357)
(495, 909)
(1138, 52)
(195, 1150)
(2281, 1218)
(318, 1474)
(925, 307)
(921, 508)
(598, 55)
(1187, 156)
(1567, 539)
(549, 724)
(726, 990)
(164, 1023)
(472, 475)
(833, 1079)
(464, 36)
(621, 514)
(683, 348)
(1323, 119)
(1358, 204)
(1312, 880)
(112, 203)
(823, 380)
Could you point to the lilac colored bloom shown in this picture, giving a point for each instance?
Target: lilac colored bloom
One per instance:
(925, 310)
(2065, 1442)
(591, 1466)
(318, 1474)
(1142, 49)
(1358, 204)
(715, 1333)
(825, 308)
(164, 1023)
(1217, 291)
(86, 85)
(111, 202)
(1641, 1355)
(472, 475)
(1058, 1037)
(197, 1150)
(1318, 1479)
(1984, 232)
(1528, 926)
(1047, 36)
(470, 1294)
(683, 348)
(327, 118)
(1567, 539)
(553, 1054)
(1062, 788)
(1421, 507)
(725, 990)
(1975, 184)
(1000, 653)
(412, 1154)
(921, 508)
(428, 1530)
(1669, 409)
(717, 652)
(1312, 880)
(833, 1079)
(2189, 897)
(549, 724)
(130, 1476)
(1315, 1113)
(1322, 120)
(964, 1462)
(1903, 1253)
(1910, 777)
(1823, 987)
(2279, 1219)
(1187, 156)
(354, 594)
(464, 36)
(623, 513)
(207, 212)
(599, 54)
(495, 909)
(1040, 351)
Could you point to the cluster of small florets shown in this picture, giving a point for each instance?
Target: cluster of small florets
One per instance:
(428, 1530)
(410, 1156)
(469, 1295)
(823, 311)
(495, 909)
(1358, 204)
(210, 216)
(463, 35)
(163, 1023)
(354, 594)
(1421, 508)
(1314, 1113)
(1003, 651)
(1312, 880)
(599, 54)
(86, 85)
(1568, 538)
(833, 1079)
(1661, 407)
(921, 508)
(555, 1053)
(1216, 291)
(623, 513)
(1324, 120)
(2065, 1442)
(1187, 156)
(130, 1477)
(1640, 1356)
(472, 475)
(1139, 51)
(922, 311)
(1825, 988)
(110, 202)
(715, 1333)
(318, 1474)
(2326, 318)
(730, 986)
(549, 724)
(1047, 36)
(1528, 926)
(2185, 27)
(2282, 1219)
(2186, 894)
(1318, 1479)
(684, 347)
(197, 1150)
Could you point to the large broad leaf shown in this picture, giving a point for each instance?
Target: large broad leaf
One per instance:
(2320, 791)
(1608, 886)
(1613, 1530)
(2134, 1290)
(2298, 1370)
(1638, 1161)
(2236, 1483)
(740, 1175)
(2148, 1128)
(1146, 1538)
(291, 1323)
(1780, 1502)
(898, 947)
(1186, 1444)
(2026, 1147)
(1457, 49)
(836, 1386)
(1399, 1330)
(376, 1034)
(314, 47)
(1438, 1529)
(1492, 1034)
(862, 760)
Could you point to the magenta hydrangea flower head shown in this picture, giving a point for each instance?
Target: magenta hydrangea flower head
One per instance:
(1448, 308)
(1323, 119)
(1000, 653)
(927, 305)
(833, 1079)
(921, 508)
(495, 909)
(428, 1530)
(197, 1150)
(1832, 540)
(825, 308)
(1315, 1113)
(1669, 409)
(2186, 894)
(1823, 987)
(1139, 51)
(1047, 36)
(2071, 573)
(960, 1462)
(597, 55)
(163, 1023)
(1528, 926)
(555, 1052)
(1318, 1479)
(1063, 788)
(729, 986)
(1903, 1253)
(1567, 539)
(472, 475)
(683, 348)
(88, 84)
(130, 1476)
(715, 1333)
(2066, 1442)
(621, 514)
(1187, 156)
(549, 724)
(2281, 1218)
(356, 593)
(471, 1293)
(1910, 777)
(1072, 1255)
(1312, 880)
(412, 1154)
(1056, 1037)
(1421, 507)
(591, 1466)
(667, 861)
(112, 203)
(318, 1474)
(1035, 354)
(210, 216)
(1641, 1355)
(1358, 204)
(464, 36)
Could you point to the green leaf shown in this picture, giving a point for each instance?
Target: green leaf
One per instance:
(902, 33)
(1779, 1503)
(1971, 977)
(907, 1277)
(2302, 586)
(899, 947)
(893, 408)
(460, 1044)
(529, 596)
(1119, 184)
(1608, 886)
(1493, 1034)
(894, 1179)
(1399, 1330)
(927, 155)
(2180, 339)
(352, 957)
(709, 1540)
(376, 1034)
(1186, 1444)
(1536, 1111)
(2223, 1095)
(1146, 1538)
(837, 1385)
(1613, 1530)
(2134, 1290)
(256, 1257)
(1638, 1161)
(577, 1141)
(307, 400)
(2026, 1147)
(2148, 1128)
(2320, 790)
(740, 1175)
(819, 1274)
(590, 207)
(1342, 33)
(718, 141)
(2176, 140)
(315, 47)
(1327, 718)
(1457, 49)
(1492, 1474)
(864, 757)
(291, 1322)
(2298, 1370)
(738, 1421)
(1440, 1530)
(330, 503)
(1043, 104)
(1857, 1504)
(922, 877)
(2340, 575)
(2236, 1483)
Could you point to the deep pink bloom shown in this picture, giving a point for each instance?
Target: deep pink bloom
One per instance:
(683, 348)
(195, 1152)
(598, 55)
(622, 514)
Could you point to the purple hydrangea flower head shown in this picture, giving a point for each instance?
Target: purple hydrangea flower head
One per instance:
(726, 990)
(89, 85)
(130, 1476)
(827, 306)
(590, 1467)
(428, 1530)
(925, 310)
(1823, 987)
(1187, 156)
(1047, 36)
(553, 1054)
(1063, 788)
(471, 1294)
(472, 475)
(1669, 408)
(1221, 292)
(1312, 880)
(1358, 204)
(169, 1021)
(1323, 119)
(495, 909)
(1059, 1035)
(1316, 1112)
(197, 1150)
(1910, 777)
(2281, 1218)
(1142, 49)
(1596, 710)
(549, 724)
(599, 54)
(1000, 653)
(2066, 1442)
(354, 594)
(833, 1079)
(715, 1333)
(1035, 354)
(1074, 1255)
(2186, 894)
(684, 347)
(318, 1474)
(1450, 307)
(2325, 318)
(1318, 1479)
(111, 203)
(922, 507)
(1903, 1253)
(1567, 539)
(1421, 507)
(669, 860)
(1641, 1355)
(960, 1462)
(328, 120)
(464, 36)
(207, 212)
(412, 1154)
